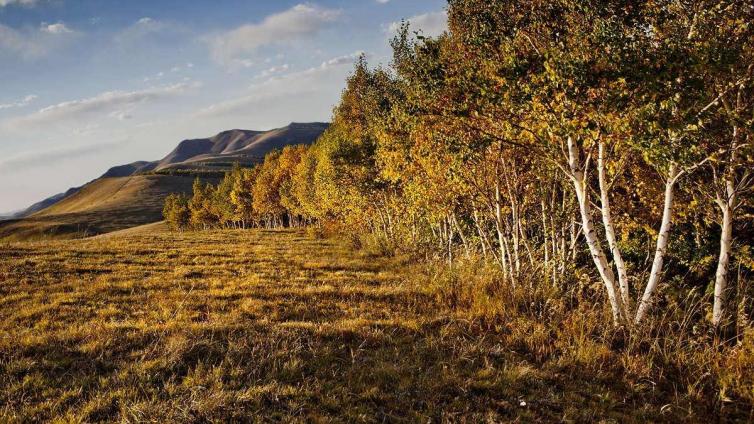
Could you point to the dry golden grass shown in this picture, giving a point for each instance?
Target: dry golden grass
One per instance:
(153, 326)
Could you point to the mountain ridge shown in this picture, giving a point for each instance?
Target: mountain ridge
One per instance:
(132, 194)
(235, 143)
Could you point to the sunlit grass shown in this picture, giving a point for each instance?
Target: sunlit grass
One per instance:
(281, 326)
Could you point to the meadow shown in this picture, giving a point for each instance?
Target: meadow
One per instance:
(149, 325)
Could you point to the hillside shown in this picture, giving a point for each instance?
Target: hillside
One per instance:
(44, 204)
(104, 205)
(133, 194)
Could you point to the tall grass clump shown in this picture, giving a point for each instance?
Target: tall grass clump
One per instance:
(675, 358)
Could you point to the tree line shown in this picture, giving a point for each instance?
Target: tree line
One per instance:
(262, 196)
(552, 138)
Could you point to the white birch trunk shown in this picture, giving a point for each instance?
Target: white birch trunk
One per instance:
(499, 228)
(507, 252)
(574, 234)
(545, 235)
(462, 236)
(728, 206)
(607, 221)
(482, 236)
(662, 245)
(721, 276)
(598, 255)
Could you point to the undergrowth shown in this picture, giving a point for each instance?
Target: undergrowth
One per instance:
(674, 360)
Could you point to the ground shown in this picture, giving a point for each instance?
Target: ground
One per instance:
(264, 326)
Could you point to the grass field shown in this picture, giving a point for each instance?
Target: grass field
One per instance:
(270, 326)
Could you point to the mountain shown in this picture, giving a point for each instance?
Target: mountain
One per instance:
(8, 215)
(133, 194)
(243, 146)
(44, 204)
(130, 169)
(116, 171)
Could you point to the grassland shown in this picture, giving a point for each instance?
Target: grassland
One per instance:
(266, 326)
(102, 206)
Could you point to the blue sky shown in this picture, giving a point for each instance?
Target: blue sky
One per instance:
(89, 84)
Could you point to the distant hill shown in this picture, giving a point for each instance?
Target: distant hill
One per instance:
(130, 169)
(44, 204)
(241, 146)
(104, 205)
(133, 194)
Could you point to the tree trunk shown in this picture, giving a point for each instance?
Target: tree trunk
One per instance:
(482, 236)
(545, 233)
(514, 216)
(607, 221)
(507, 254)
(727, 203)
(462, 236)
(449, 227)
(721, 276)
(574, 235)
(499, 228)
(662, 245)
(598, 255)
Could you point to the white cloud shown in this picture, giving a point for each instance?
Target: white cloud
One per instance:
(244, 63)
(274, 70)
(111, 101)
(4, 3)
(121, 115)
(430, 24)
(20, 103)
(326, 78)
(343, 60)
(382, 1)
(32, 43)
(175, 69)
(293, 24)
(58, 28)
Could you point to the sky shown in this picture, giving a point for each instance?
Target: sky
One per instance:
(89, 84)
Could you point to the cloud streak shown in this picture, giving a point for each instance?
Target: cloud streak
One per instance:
(298, 22)
(147, 28)
(343, 60)
(4, 3)
(104, 102)
(327, 76)
(21, 103)
(43, 158)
